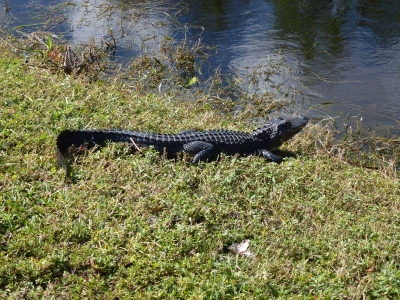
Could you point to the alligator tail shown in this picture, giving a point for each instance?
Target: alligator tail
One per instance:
(78, 138)
(89, 138)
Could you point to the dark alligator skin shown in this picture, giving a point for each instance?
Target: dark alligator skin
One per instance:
(203, 145)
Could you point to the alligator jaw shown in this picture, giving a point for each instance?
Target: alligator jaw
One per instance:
(292, 127)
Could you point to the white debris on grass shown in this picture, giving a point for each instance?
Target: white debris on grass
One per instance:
(241, 248)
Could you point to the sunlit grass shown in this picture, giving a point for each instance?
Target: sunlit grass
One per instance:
(139, 225)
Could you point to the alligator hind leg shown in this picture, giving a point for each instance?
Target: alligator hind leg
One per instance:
(202, 150)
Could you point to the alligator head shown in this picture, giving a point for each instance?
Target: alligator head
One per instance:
(274, 133)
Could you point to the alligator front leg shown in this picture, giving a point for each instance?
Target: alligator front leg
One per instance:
(201, 150)
(271, 156)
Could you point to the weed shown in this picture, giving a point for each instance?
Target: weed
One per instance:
(140, 225)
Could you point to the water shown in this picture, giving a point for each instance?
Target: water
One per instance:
(343, 55)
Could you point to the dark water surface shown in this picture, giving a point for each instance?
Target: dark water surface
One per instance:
(343, 56)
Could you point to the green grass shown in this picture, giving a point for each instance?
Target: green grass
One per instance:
(141, 226)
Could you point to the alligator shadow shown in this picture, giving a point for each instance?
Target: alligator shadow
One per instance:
(65, 160)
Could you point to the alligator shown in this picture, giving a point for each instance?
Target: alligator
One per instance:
(203, 145)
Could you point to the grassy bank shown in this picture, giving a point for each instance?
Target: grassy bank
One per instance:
(141, 226)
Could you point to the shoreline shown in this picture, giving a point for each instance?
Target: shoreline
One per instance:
(325, 223)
